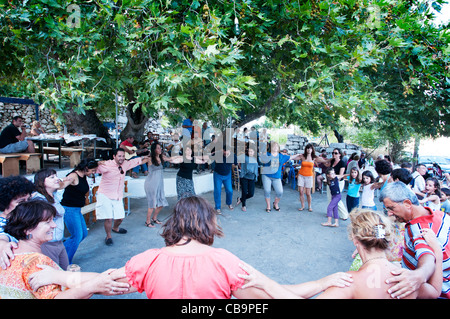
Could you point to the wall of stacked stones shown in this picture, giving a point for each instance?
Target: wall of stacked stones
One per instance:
(28, 113)
(296, 144)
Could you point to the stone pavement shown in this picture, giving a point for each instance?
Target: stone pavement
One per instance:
(288, 246)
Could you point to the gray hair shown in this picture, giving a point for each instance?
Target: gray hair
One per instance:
(398, 192)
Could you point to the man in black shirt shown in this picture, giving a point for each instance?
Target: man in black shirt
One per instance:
(12, 140)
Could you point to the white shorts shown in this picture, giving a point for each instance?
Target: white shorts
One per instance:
(304, 181)
(109, 208)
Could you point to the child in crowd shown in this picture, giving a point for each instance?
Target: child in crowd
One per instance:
(367, 195)
(445, 202)
(332, 210)
(354, 184)
(432, 197)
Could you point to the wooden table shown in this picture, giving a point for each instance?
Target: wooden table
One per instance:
(40, 142)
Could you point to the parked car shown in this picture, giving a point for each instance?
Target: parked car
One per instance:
(442, 163)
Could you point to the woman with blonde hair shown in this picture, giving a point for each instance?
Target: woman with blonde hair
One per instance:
(36, 129)
(371, 233)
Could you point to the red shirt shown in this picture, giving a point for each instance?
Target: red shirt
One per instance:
(166, 275)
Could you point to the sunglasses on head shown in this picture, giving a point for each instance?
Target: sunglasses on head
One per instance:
(121, 170)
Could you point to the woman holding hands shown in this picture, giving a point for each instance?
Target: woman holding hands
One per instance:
(306, 174)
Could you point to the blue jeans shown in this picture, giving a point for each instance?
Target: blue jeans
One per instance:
(76, 225)
(143, 166)
(352, 202)
(226, 181)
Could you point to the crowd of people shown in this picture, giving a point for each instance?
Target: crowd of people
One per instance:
(406, 241)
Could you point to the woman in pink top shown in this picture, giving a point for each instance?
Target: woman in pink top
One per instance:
(188, 267)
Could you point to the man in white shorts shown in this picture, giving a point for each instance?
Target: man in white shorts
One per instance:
(110, 192)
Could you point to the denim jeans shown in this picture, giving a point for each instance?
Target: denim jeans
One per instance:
(143, 166)
(76, 225)
(352, 202)
(248, 189)
(226, 181)
(268, 183)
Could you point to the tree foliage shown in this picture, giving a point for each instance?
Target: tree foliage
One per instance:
(306, 62)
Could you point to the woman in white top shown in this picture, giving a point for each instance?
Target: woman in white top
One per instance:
(432, 197)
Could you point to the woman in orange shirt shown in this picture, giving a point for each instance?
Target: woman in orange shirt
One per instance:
(188, 267)
(306, 174)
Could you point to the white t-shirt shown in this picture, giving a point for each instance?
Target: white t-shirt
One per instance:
(419, 182)
(367, 196)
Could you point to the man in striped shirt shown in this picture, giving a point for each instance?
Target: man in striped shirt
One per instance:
(418, 258)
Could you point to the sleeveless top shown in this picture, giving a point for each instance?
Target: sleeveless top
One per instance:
(306, 169)
(75, 195)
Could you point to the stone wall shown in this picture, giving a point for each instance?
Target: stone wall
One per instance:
(28, 113)
(296, 144)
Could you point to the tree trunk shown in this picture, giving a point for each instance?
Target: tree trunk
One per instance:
(416, 150)
(339, 137)
(87, 123)
(136, 120)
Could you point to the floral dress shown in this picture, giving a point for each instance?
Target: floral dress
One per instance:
(14, 281)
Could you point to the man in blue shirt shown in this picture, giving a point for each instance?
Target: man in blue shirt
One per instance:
(187, 128)
(222, 175)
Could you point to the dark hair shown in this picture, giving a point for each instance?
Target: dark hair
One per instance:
(436, 184)
(12, 187)
(115, 151)
(39, 182)
(153, 154)
(383, 167)
(357, 180)
(402, 174)
(313, 153)
(446, 191)
(85, 164)
(27, 215)
(369, 175)
(340, 152)
(193, 217)
(15, 118)
(406, 165)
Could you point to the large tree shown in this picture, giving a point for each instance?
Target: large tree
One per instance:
(305, 62)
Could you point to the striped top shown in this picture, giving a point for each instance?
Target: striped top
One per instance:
(416, 247)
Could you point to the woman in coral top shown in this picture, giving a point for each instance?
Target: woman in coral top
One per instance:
(306, 174)
(31, 222)
(188, 267)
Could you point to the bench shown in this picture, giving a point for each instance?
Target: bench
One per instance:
(90, 204)
(32, 161)
(10, 164)
(74, 154)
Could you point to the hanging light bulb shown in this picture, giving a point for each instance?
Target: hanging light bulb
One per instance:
(237, 30)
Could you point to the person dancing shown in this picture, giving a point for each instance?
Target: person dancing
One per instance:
(306, 174)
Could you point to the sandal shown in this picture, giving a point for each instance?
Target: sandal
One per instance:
(149, 224)
(238, 201)
(268, 210)
(156, 221)
(244, 209)
(277, 209)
